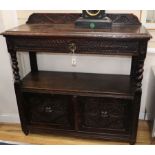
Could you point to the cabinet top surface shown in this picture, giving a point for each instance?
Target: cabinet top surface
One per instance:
(69, 30)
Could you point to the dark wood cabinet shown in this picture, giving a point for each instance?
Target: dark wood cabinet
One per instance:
(102, 106)
(49, 109)
(97, 115)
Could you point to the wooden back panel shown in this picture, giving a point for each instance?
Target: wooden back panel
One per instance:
(67, 18)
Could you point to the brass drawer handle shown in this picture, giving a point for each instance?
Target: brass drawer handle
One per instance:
(104, 114)
(72, 47)
(49, 110)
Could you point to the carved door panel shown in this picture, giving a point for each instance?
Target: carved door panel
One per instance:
(105, 114)
(49, 110)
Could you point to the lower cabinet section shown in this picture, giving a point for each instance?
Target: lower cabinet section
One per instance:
(105, 114)
(94, 115)
(49, 110)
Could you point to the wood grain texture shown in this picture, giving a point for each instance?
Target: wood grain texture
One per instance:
(69, 30)
(12, 132)
(63, 25)
(82, 83)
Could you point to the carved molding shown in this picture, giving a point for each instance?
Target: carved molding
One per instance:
(98, 46)
(124, 19)
(53, 18)
(59, 18)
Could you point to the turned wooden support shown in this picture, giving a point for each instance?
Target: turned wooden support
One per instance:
(19, 96)
(15, 66)
(139, 73)
(137, 69)
(137, 76)
(140, 63)
(137, 65)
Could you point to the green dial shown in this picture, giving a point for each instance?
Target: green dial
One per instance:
(92, 25)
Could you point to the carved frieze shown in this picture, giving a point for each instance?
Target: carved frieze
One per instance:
(98, 46)
(58, 18)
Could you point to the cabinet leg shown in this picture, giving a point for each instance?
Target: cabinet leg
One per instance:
(132, 142)
(18, 92)
(26, 131)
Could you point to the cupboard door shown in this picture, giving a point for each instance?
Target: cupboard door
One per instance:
(49, 110)
(105, 114)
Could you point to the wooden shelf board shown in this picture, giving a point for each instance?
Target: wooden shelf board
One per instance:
(82, 83)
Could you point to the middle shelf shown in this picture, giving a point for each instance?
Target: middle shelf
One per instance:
(84, 84)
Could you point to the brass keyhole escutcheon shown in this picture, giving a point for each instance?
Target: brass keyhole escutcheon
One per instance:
(72, 47)
(104, 114)
(49, 109)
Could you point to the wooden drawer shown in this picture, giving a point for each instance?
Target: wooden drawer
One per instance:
(105, 114)
(80, 45)
(49, 110)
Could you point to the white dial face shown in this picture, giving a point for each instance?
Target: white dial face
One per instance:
(93, 12)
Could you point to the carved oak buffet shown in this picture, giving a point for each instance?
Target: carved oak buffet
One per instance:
(79, 104)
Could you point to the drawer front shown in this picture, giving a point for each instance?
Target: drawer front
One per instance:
(52, 110)
(105, 114)
(80, 45)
